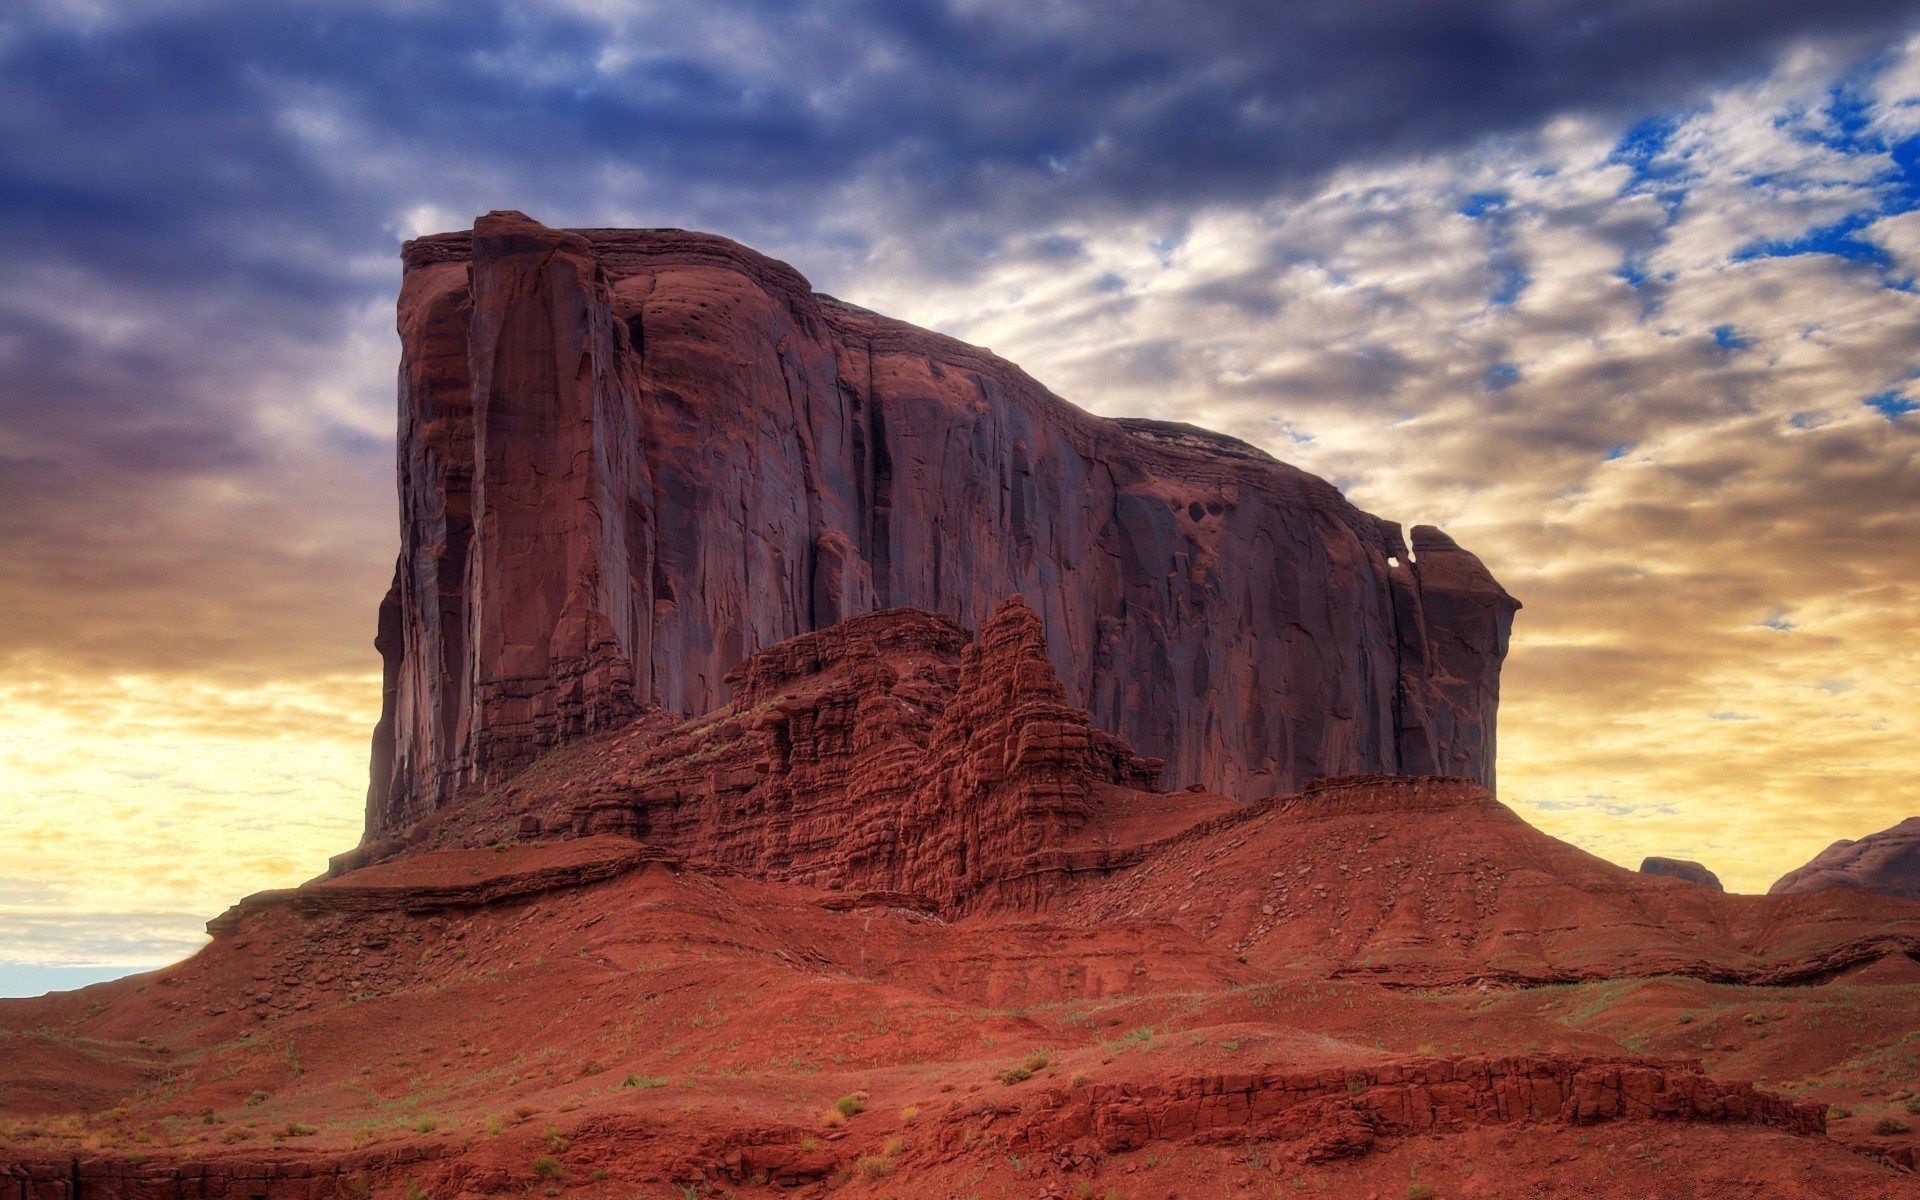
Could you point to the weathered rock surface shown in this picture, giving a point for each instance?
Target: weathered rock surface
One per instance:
(1681, 868)
(629, 459)
(1433, 882)
(888, 753)
(1340, 1113)
(1887, 862)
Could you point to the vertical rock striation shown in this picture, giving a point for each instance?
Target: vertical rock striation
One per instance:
(629, 459)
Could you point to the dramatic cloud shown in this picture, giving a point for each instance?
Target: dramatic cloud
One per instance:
(1624, 300)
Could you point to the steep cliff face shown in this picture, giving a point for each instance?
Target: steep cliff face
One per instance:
(629, 459)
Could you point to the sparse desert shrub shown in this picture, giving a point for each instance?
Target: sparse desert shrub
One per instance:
(1420, 1191)
(493, 1125)
(556, 1141)
(1838, 1112)
(850, 1105)
(1013, 1075)
(643, 1081)
(833, 1118)
(1913, 1105)
(425, 1125)
(296, 1129)
(1355, 1086)
(1038, 1061)
(893, 1147)
(909, 1114)
(548, 1167)
(522, 1111)
(254, 1098)
(1889, 1126)
(875, 1166)
(809, 1144)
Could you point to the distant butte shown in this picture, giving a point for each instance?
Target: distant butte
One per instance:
(1681, 868)
(629, 459)
(1887, 862)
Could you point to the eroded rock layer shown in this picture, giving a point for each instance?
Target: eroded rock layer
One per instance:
(629, 459)
(889, 753)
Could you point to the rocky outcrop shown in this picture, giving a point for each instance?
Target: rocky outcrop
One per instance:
(252, 1176)
(886, 754)
(1681, 868)
(1887, 862)
(630, 459)
(1340, 1113)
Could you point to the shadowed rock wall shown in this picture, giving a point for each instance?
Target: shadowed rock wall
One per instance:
(629, 459)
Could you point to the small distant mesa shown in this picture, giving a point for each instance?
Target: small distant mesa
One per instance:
(1681, 868)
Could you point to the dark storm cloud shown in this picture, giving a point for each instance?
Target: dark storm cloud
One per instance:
(177, 121)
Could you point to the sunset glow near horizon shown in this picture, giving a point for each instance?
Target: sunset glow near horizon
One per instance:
(1648, 345)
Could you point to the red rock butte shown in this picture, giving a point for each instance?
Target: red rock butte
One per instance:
(631, 458)
(772, 798)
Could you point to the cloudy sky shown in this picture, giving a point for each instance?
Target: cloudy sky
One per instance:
(1621, 295)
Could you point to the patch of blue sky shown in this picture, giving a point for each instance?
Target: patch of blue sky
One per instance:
(1510, 281)
(1845, 121)
(1286, 429)
(1479, 204)
(1619, 451)
(1846, 125)
(18, 979)
(1608, 804)
(1645, 149)
(1509, 274)
(1892, 404)
(1642, 150)
(1501, 376)
(1728, 338)
(1840, 239)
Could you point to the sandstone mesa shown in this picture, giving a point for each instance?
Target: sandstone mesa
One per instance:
(817, 760)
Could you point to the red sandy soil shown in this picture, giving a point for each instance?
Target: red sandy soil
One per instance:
(487, 1022)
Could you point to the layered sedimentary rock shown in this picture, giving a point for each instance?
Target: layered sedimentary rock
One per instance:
(888, 753)
(1887, 862)
(1681, 868)
(630, 459)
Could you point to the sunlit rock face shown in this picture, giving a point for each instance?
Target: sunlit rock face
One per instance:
(629, 459)
(1887, 862)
